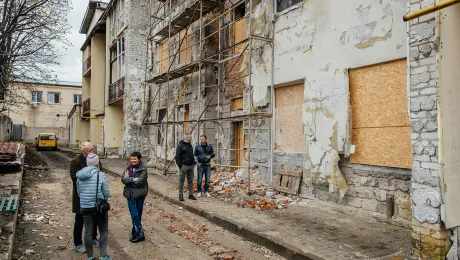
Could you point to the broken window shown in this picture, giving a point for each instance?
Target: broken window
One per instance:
(240, 11)
(161, 117)
(289, 129)
(282, 5)
(380, 124)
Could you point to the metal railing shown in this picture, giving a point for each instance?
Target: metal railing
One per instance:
(117, 90)
(87, 106)
(86, 65)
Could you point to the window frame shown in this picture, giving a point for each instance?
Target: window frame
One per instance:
(36, 97)
(79, 99)
(281, 11)
(53, 93)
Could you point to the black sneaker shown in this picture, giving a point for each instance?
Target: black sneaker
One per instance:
(181, 197)
(191, 197)
(137, 240)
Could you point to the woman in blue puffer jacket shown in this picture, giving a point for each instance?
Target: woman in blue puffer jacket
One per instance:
(87, 185)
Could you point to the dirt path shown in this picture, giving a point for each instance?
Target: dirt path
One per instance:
(46, 222)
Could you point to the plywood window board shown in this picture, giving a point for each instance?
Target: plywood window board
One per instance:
(289, 128)
(239, 34)
(164, 54)
(185, 55)
(238, 143)
(186, 118)
(237, 104)
(380, 123)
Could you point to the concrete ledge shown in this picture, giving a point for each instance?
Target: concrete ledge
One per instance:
(276, 245)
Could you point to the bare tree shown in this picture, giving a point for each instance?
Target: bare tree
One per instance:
(30, 30)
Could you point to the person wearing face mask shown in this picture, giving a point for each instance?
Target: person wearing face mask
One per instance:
(76, 165)
(136, 188)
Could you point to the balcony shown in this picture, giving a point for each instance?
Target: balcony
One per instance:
(116, 92)
(87, 67)
(86, 107)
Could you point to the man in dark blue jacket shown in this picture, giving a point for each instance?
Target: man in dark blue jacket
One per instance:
(203, 154)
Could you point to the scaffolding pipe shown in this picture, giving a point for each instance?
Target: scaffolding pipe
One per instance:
(429, 9)
(250, 97)
(218, 92)
(182, 93)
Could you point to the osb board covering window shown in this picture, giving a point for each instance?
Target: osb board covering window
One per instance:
(239, 34)
(164, 54)
(237, 104)
(289, 129)
(185, 55)
(381, 126)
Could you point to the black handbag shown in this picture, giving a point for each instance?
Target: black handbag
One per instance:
(102, 205)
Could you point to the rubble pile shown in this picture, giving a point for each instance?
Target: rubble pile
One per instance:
(232, 187)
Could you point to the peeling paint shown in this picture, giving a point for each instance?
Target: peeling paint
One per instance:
(373, 40)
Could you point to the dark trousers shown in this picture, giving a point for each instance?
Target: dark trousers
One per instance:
(206, 171)
(90, 223)
(186, 171)
(136, 206)
(78, 230)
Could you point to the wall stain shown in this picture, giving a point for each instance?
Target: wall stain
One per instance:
(373, 41)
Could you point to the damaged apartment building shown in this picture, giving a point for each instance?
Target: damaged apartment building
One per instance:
(313, 86)
(344, 92)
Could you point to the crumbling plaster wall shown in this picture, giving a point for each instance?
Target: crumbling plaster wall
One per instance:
(312, 42)
(135, 64)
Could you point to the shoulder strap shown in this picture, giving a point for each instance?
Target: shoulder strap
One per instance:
(97, 184)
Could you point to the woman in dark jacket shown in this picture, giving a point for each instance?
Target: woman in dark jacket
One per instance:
(135, 191)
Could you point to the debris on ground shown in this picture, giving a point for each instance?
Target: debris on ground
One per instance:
(232, 187)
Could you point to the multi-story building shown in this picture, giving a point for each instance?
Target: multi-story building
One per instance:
(48, 107)
(93, 78)
(114, 56)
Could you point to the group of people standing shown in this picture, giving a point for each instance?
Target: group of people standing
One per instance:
(90, 186)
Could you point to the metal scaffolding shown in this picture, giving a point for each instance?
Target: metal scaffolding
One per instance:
(168, 21)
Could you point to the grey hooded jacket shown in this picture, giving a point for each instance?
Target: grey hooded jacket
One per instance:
(86, 186)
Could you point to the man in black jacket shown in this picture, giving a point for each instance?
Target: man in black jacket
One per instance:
(186, 162)
(77, 164)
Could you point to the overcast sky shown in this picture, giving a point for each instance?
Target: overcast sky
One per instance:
(71, 62)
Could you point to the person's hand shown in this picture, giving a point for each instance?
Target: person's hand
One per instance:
(208, 157)
(198, 164)
(126, 176)
(136, 180)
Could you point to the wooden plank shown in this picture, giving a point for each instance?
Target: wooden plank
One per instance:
(297, 186)
(289, 129)
(237, 104)
(285, 190)
(388, 146)
(284, 181)
(378, 95)
(164, 57)
(239, 34)
(292, 173)
(381, 127)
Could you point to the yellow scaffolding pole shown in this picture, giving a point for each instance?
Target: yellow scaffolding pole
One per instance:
(429, 9)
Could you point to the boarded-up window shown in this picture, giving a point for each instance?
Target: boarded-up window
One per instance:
(381, 126)
(239, 31)
(164, 54)
(289, 130)
(185, 55)
(161, 116)
(237, 104)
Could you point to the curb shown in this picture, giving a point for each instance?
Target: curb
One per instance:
(288, 251)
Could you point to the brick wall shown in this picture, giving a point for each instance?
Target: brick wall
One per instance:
(430, 239)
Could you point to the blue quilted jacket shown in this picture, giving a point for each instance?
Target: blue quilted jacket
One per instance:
(86, 186)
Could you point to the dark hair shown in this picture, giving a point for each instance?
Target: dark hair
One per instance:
(136, 154)
(204, 136)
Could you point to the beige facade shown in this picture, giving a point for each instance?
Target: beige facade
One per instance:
(100, 119)
(49, 104)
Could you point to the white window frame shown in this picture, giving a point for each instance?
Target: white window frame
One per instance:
(78, 99)
(35, 94)
(118, 21)
(54, 102)
(121, 49)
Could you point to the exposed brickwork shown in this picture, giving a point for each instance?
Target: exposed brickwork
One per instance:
(430, 239)
(236, 85)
